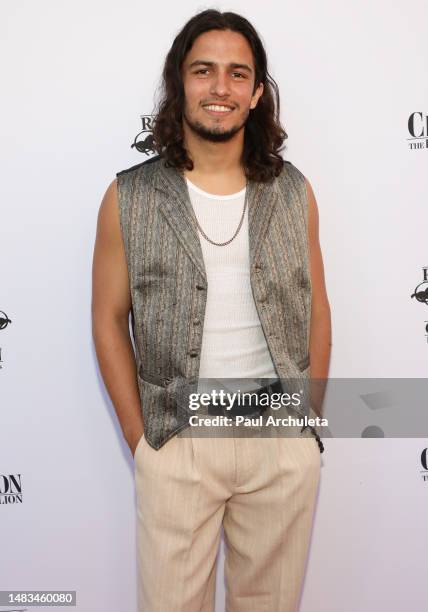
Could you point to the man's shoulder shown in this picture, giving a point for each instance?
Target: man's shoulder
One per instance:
(290, 170)
(145, 166)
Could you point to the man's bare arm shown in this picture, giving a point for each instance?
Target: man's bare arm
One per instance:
(320, 330)
(111, 305)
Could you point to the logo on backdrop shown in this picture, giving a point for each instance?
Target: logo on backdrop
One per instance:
(421, 294)
(417, 126)
(10, 489)
(4, 322)
(424, 463)
(421, 290)
(144, 141)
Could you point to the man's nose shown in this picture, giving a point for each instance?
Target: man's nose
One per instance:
(220, 84)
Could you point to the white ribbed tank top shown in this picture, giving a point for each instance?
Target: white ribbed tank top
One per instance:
(233, 343)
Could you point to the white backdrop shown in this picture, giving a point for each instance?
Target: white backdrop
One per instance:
(76, 78)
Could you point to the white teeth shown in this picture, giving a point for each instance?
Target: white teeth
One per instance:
(223, 109)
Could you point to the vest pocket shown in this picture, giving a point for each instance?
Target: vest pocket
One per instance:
(153, 379)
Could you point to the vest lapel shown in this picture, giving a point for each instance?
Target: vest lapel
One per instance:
(174, 203)
(263, 198)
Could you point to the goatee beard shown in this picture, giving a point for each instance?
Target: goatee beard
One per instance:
(213, 135)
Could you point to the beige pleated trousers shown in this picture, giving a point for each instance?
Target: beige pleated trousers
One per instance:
(261, 489)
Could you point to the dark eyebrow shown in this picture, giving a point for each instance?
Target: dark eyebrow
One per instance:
(198, 62)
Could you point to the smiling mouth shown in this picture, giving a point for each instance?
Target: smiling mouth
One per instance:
(218, 109)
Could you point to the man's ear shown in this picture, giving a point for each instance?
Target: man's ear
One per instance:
(257, 95)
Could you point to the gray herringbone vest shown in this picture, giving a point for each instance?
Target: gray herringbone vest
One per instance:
(169, 286)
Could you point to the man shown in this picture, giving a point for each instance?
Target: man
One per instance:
(213, 247)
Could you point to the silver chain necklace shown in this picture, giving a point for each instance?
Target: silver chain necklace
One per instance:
(237, 229)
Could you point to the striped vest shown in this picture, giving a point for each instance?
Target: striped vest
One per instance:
(168, 282)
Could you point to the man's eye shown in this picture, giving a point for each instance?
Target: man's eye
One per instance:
(204, 70)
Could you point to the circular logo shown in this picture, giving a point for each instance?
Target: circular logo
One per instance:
(4, 320)
(421, 293)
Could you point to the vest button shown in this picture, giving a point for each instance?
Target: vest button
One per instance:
(258, 266)
(193, 353)
(262, 299)
(200, 287)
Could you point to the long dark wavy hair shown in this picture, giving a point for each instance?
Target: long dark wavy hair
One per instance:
(264, 135)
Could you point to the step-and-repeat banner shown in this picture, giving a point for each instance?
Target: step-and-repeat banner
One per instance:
(79, 85)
